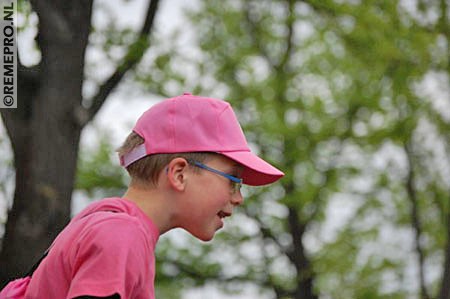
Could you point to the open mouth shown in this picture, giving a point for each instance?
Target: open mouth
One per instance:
(223, 214)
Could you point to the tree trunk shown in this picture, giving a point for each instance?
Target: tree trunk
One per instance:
(45, 134)
(304, 288)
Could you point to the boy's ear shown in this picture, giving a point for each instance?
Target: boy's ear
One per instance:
(176, 172)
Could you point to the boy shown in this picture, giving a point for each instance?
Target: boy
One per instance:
(187, 158)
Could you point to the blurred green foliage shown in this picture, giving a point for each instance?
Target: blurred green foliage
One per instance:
(337, 94)
(98, 170)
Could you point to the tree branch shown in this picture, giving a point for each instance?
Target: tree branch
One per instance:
(444, 24)
(289, 39)
(445, 284)
(189, 271)
(134, 55)
(266, 233)
(253, 28)
(444, 292)
(412, 194)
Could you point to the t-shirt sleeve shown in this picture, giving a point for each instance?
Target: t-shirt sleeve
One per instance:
(111, 257)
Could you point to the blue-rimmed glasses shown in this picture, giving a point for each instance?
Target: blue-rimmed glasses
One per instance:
(236, 183)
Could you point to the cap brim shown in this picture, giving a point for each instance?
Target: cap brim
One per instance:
(257, 172)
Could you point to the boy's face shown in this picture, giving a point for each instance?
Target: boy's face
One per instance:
(211, 198)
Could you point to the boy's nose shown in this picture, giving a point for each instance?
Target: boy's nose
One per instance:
(236, 198)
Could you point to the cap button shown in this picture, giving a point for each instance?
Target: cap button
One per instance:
(187, 94)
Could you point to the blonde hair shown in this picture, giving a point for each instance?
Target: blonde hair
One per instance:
(146, 170)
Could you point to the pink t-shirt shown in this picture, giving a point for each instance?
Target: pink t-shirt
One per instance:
(106, 249)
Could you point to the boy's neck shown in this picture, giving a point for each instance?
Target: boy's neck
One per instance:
(154, 204)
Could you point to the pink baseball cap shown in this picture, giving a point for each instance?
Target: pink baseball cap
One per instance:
(189, 123)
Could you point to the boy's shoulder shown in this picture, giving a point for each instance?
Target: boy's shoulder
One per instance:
(107, 221)
(109, 212)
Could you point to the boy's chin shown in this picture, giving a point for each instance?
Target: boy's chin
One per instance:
(205, 237)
